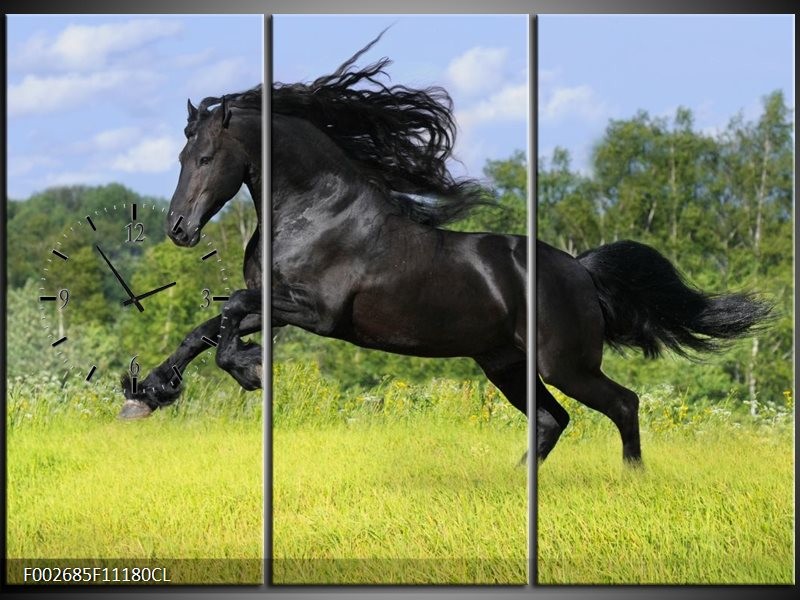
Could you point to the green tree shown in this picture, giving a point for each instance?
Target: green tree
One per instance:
(26, 337)
(508, 185)
(719, 206)
(568, 214)
(36, 224)
(758, 172)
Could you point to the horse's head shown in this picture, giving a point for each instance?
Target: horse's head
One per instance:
(213, 167)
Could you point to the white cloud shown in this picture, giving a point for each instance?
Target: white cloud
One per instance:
(579, 101)
(108, 140)
(112, 139)
(193, 59)
(90, 47)
(99, 159)
(222, 77)
(77, 178)
(22, 165)
(547, 76)
(509, 104)
(478, 69)
(38, 95)
(150, 155)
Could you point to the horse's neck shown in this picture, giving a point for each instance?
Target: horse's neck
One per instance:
(253, 182)
(356, 214)
(252, 255)
(248, 134)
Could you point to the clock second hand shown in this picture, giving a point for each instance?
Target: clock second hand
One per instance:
(120, 279)
(130, 301)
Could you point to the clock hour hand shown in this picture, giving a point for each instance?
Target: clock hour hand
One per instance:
(133, 299)
(120, 279)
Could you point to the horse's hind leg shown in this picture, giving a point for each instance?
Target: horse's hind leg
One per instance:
(511, 380)
(551, 420)
(618, 403)
(241, 359)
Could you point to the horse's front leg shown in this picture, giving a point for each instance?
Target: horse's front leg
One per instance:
(162, 386)
(243, 360)
(296, 304)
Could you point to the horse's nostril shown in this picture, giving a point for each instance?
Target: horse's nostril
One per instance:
(177, 229)
(178, 233)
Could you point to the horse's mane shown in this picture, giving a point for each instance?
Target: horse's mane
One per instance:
(399, 137)
(249, 100)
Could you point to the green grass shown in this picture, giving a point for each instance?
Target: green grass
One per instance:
(399, 484)
(714, 504)
(399, 503)
(82, 485)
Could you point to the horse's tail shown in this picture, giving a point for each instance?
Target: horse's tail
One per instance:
(646, 303)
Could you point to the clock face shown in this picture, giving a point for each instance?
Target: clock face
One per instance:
(117, 297)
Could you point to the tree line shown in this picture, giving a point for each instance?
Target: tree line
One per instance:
(719, 204)
(40, 223)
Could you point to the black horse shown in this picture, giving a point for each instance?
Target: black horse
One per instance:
(360, 190)
(222, 152)
(360, 187)
(623, 294)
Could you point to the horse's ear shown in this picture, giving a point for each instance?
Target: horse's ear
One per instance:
(226, 112)
(192, 110)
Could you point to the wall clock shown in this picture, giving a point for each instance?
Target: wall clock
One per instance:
(116, 297)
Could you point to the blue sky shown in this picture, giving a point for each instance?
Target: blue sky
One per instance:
(98, 99)
(482, 61)
(593, 68)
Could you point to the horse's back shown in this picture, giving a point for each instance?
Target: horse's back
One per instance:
(569, 319)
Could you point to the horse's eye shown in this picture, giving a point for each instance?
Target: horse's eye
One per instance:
(204, 160)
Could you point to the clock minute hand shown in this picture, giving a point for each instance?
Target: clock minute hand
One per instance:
(120, 279)
(130, 301)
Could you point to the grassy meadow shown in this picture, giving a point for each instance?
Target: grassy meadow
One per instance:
(404, 484)
(182, 489)
(713, 505)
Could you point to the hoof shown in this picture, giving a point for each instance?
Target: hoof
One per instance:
(134, 409)
(634, 463)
